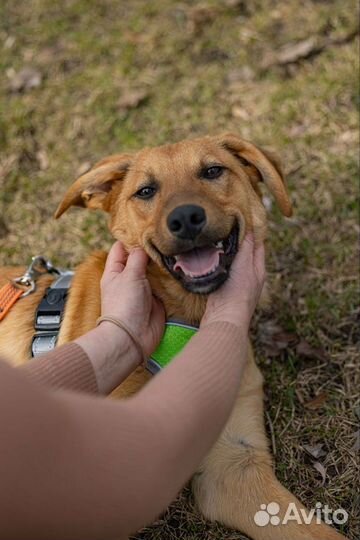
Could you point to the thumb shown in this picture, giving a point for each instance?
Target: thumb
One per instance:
(116, 259)
(259, 259)
(245, 255)
(136, 263)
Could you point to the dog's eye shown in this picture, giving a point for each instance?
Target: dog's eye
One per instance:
(210, 173)
(146, 192)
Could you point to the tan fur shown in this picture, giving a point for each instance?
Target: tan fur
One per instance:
(237, 475)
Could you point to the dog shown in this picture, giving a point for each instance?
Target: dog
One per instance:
(189, 206)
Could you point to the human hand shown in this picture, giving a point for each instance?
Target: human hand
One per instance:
(236, 300)
(126, 295)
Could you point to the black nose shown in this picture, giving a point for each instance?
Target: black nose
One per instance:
(186, 221)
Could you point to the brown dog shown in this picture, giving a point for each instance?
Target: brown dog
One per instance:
(189, 206)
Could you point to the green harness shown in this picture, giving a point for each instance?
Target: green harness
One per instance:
(175, 337)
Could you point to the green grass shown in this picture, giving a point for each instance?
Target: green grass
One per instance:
(199, 63)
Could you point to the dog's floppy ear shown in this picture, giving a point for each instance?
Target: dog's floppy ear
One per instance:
(93, 189)
(267, 165)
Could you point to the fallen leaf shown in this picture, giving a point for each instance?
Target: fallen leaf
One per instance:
(284, 339)
(25, 79)
(291, 53)
(314, 451)
(317, 402)
(306, 48)
(239, 112)
(131, 99)
(303, 348)
(9, 42)
(275, 339)
(321, 469)
(349, 136)
(294, 51)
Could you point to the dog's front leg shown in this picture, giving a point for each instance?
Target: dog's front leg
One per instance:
(237, 477)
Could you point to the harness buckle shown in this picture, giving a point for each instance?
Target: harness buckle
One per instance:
(43, 342)
(49, 314)
(38, 267)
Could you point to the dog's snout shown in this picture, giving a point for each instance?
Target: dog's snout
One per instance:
(186, 221)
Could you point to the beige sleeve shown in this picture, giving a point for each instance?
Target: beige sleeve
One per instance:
(74, 466)
(67, 367)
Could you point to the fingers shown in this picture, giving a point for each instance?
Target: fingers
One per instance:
(248, 246)
(250, 256)
(245, 255)
(259, 260)
(116, 259)
(136, 263)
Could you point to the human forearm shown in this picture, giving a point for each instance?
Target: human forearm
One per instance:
(96, 362)
(193, 397)
(125, 459)
(178, 416)
(176, 419)
(66, 367)
(112, 354)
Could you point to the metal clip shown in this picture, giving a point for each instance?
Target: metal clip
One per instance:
(38, 267)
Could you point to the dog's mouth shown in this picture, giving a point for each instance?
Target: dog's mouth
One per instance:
(203, 269)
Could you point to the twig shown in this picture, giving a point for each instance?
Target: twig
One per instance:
(272, 434)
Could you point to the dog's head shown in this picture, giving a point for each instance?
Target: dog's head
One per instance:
(187, 204)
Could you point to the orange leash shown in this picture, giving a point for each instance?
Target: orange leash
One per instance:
(9, 294)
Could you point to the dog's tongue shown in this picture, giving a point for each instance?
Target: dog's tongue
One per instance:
(198, 261)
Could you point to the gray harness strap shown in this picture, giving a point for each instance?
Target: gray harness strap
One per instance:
(49, 314)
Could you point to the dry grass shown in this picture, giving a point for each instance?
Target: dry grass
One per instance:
(191, 68)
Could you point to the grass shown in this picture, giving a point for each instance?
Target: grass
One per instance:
(199, 65)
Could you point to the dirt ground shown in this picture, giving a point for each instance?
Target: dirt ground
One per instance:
(85, 78)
